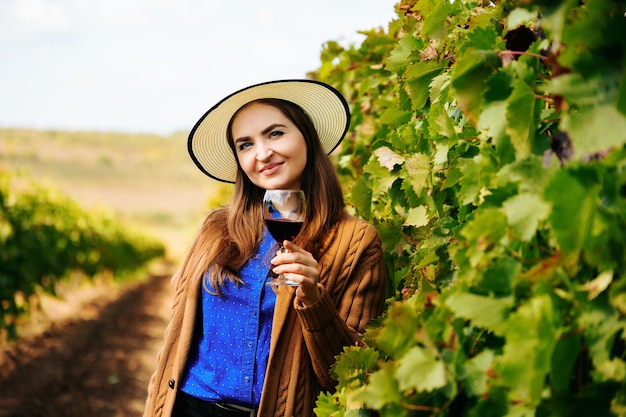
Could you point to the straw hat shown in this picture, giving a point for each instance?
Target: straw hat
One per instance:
(208, 142)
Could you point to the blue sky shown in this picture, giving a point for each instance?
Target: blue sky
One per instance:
(158, 65)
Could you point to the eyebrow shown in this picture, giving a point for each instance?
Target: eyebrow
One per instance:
(263, 132)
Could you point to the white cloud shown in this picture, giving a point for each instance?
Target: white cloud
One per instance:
(23, 20)
(127, 13)
(41, 15)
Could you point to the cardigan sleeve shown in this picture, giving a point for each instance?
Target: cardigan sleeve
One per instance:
(348, 301)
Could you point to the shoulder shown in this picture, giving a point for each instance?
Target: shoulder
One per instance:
(353, 244)
(352, 234)
(350, 223)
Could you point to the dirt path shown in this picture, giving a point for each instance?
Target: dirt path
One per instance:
(95, 365)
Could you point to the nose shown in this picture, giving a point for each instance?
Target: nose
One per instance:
(264, 152)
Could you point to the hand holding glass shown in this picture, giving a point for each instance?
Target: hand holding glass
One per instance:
(283, 214)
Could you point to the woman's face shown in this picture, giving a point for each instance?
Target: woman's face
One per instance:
(270, 148)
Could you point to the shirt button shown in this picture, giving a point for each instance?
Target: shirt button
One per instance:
(246, 378)
(249, 344)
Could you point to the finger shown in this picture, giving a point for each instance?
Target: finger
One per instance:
(295, 269)
(292, 247)
(298, 257)
(295, 278)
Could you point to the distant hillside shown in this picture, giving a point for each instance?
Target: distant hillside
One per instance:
(148, 180)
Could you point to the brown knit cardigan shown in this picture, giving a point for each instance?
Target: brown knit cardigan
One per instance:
(305, 340)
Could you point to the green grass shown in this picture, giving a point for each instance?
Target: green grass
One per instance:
(149, 181)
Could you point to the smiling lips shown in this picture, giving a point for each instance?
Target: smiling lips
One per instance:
(270, 169)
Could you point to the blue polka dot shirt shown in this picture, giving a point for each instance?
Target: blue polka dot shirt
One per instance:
(228, 361)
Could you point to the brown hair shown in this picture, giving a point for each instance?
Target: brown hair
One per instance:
(230, 236)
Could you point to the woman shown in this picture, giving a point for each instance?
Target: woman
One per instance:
(235, 346)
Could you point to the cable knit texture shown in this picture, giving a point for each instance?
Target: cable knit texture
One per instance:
(305, 340)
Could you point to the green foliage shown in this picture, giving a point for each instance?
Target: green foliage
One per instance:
(45, 236)
(488, 147)
(147, 180)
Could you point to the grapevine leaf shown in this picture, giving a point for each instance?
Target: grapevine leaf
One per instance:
(595, 124)
(434, 22)
(484, 234)
(407, 137)
(361, 196)
(565, 354)
(399, 58)
(601, 327)
(500, 85)
(527, 172)
(469, 80)
(417, 171)
(398, 333)
(596, 129)
(520, 117)
(455, 176)
(478, 176)
(488, 312)
(388, 158)
(381, 390)
(417, 217)
(519, 17)
(327, 406)
(356, 412)
(572, 211)
(595, 27)
(474, 373)
(524, 212)
(353, 366)
(418, 79)
(419, 369)
(381, 178)
(498, 278)
(439, 87)
(554, 20)
(441, 155)
(587, 92)
(493, 120)
(390, 235)
(531, 334)
(440, 122)
(494, 404)
(394, 117)
(482, 34)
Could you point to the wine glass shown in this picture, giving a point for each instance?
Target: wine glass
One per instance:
(283, 214)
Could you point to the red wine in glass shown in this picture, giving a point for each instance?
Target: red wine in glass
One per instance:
(283, 214)
(283, 229)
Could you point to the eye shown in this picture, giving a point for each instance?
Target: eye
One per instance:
(243, 146)
(276, 133)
